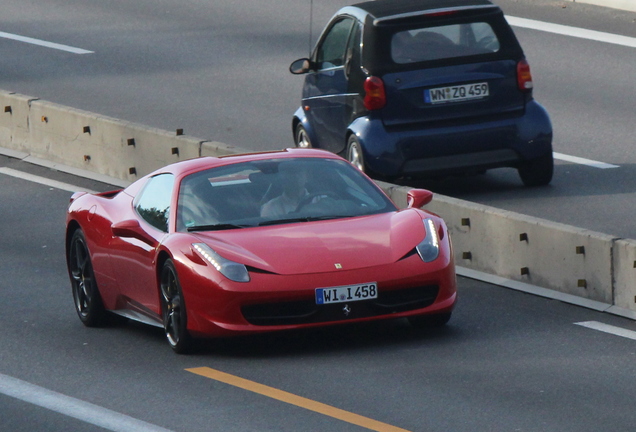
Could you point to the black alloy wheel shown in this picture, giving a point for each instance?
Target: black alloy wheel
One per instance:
(88, 302)
(174, 310)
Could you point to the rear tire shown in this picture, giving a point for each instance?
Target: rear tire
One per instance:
(354, 153)
(429, 321)
(537, 172)
(301, 137)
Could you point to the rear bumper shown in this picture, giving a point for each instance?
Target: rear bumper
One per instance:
(450, 149)
(461, 163)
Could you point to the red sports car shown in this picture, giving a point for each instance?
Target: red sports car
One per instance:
(257, 242)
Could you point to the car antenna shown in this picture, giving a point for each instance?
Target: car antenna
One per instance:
(311, 20)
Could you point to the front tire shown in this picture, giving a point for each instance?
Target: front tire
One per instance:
(175, 322)
(301, 137)
(88, 302)
(537, 172)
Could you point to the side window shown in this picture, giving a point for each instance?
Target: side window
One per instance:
(153, 204)
(331, 52)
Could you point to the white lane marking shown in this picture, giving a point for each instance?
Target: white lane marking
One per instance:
(44, 43)
(71, 407)
(42, 180)
(606, 328)
(572, 31)
(583, 161)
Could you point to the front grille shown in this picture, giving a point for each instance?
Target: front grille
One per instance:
(307, 311)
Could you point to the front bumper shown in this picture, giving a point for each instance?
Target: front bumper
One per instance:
(272, 302)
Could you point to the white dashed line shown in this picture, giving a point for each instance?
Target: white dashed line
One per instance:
(572, 31)
(75, 408)
(44, 43)
(606, 328)
(583, 161)
(42, 180)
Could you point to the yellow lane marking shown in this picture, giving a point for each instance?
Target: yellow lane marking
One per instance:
(293, 399)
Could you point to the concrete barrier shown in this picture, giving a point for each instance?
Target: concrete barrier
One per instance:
(516, 250)
(624, 274)
(525, 249)
(14, 121)
(87, 141)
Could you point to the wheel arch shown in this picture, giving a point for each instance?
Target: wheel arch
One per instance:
(300, 118)
(161, 260)
(346, 140)
(295, 122)
(363, 152)
(71, 227)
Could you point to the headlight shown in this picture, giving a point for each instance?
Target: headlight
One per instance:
(428, 250)
(230, 269)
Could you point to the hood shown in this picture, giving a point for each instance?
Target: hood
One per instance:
(317, 247)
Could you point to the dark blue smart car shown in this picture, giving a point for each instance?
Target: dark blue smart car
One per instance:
(412, 88)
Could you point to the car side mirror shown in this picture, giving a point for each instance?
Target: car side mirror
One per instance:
(417, 198)
(300, 66)
(131, 229)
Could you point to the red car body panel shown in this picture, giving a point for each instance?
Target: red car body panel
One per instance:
(286, 263)
(361, 242)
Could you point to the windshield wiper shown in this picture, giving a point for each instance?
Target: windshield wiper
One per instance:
(302, 219)
(215, 227)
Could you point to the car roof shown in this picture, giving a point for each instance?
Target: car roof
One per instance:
(197, 164)
(382, 10)
(190, 166)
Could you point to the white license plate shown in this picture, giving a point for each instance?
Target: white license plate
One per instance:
(456, 93)
(349, 293)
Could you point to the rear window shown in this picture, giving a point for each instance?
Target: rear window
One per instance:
(442, 42)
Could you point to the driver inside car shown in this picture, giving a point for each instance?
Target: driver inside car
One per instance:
(292, 180)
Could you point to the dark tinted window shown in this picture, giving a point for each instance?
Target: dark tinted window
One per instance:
(441, 42)
(261, 192)
(153, 204)
(331, 51)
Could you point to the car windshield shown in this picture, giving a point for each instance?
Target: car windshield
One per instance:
(276, 191)
(442, 42)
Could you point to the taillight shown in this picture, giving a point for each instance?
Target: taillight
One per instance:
(524, 77)
(375, 95)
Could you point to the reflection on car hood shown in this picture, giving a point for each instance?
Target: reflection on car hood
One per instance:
(316, 247)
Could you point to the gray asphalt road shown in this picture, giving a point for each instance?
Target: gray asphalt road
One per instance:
(507, 361)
